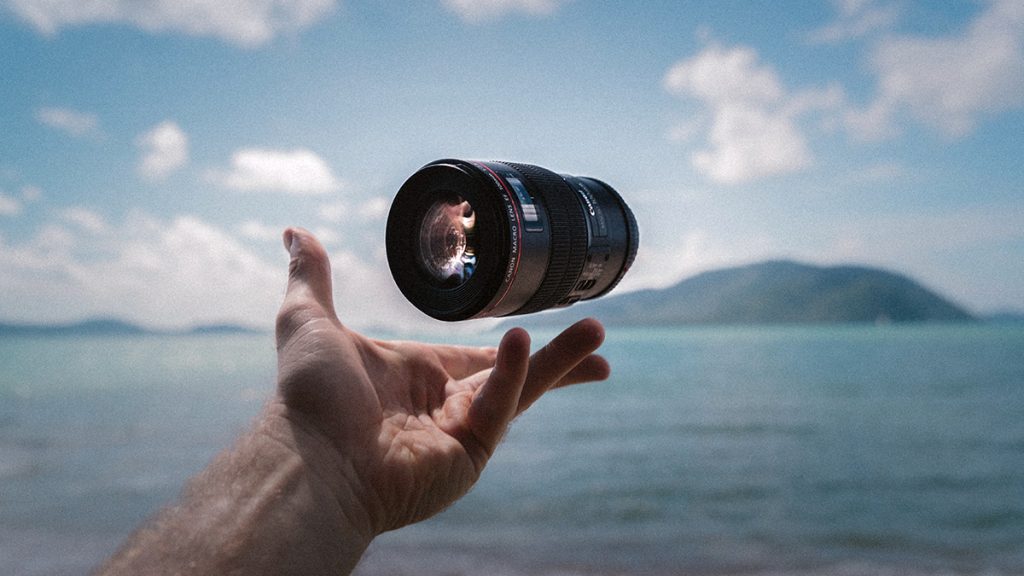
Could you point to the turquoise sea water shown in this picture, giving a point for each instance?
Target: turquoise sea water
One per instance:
(768, 451)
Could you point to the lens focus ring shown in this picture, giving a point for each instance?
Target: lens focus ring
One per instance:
(568, 236)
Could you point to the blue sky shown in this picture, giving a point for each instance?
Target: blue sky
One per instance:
(152, 152)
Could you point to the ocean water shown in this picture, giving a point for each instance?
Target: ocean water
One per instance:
(711, 451)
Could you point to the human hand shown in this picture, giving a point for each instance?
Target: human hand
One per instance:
(362, 436)
(400, 430)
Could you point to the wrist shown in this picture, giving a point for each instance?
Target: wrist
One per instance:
(334, 475)
(270, 505)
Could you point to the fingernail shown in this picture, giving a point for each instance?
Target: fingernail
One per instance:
(291, 240)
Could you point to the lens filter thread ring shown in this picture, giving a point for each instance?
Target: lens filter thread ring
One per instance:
(439, 180)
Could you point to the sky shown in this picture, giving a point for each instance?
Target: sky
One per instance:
(152, 151)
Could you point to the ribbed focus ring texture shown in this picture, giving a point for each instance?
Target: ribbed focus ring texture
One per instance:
(568, 236)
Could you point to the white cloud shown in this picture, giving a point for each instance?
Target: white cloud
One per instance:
(9, 206)
(164, 150)
(725, 76)
(856, 19)
(875, 122)
(334, 212)
(486, 10)
(686, 130)
(30, 193)
(163, 273)
(243, 22)
(84, 219)
(752, 120)
(297, 171)
(69, 121)
(749, 143)
(328, 236)
(370, 210)
(256, 230)
(898, 237)
(937, 246)
(686, 230)
(180, 272)
(184, 272)
(949, 83)
(375, 208)
(885, 171)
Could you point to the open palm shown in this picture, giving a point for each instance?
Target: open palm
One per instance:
(407, 427)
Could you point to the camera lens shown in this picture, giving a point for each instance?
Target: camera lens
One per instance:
(469, 239)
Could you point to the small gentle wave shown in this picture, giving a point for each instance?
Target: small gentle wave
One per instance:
(860, 452)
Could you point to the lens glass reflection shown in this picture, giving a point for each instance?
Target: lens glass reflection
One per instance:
(447, 241)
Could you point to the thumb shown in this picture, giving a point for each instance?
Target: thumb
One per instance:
(309, 294)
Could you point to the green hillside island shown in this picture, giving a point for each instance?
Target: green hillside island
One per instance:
(774, 292)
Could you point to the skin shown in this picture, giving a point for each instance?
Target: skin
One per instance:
(362, 436)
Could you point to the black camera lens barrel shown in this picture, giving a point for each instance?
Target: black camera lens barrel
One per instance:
(504, 238)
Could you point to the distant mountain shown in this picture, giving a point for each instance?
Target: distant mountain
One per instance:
(94, 327)
(1008, 317)
(775, 292)
(221, 329)
(111, 327)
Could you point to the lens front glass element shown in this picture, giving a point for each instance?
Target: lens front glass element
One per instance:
(447, 241)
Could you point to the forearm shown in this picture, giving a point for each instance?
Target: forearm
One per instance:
(263, 507)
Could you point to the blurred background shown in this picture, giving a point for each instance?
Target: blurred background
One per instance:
(151, 154)
(832, 246)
